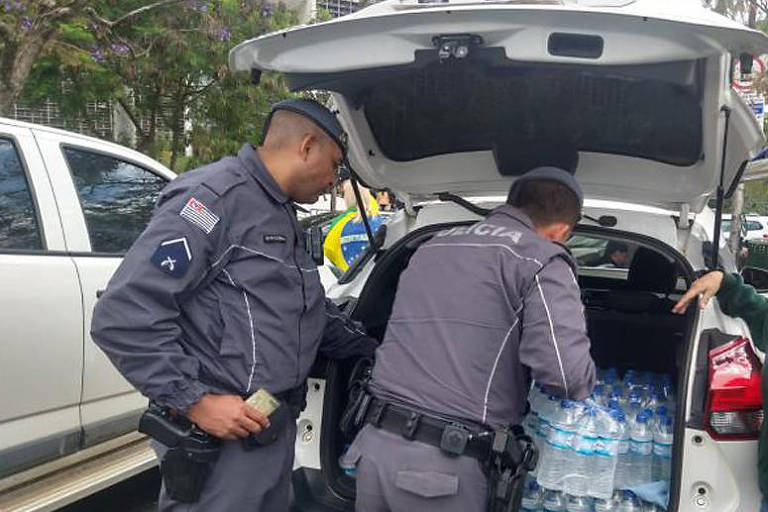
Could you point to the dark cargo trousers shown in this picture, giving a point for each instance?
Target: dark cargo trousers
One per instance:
(397, 475)
(243, 481)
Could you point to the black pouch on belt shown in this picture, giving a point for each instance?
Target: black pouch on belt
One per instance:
(278, 421)
(186, 467)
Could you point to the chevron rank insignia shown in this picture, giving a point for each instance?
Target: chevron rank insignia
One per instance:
(173, 257)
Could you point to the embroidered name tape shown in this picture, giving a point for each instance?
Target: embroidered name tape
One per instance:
(275, 239)
(199, 215)
(173, 257)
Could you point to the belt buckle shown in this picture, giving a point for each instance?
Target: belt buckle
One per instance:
(411, 425)
(454, 439)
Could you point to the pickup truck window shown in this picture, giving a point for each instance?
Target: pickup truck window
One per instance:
(117, 198)
(18, 217)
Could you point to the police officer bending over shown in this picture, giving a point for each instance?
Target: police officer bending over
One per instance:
(219, 298)
(479, 311)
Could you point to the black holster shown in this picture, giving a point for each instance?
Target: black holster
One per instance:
(513, 455)
(359, 398)
(191, 452)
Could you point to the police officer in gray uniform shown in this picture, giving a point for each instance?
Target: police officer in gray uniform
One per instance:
(218, 298)
(479, 311)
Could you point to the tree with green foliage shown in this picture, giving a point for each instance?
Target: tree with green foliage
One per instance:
(165, 67)
(30, 29)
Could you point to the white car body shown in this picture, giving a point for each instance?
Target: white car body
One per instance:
(662, 203)
(61, 395)
(756, 226)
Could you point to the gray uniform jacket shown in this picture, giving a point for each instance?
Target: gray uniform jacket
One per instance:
(218, 293)
(479, 311)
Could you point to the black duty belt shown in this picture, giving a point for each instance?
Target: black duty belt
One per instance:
(453, 438)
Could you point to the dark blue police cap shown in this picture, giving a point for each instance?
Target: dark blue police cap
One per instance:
(546, 173)
(318, 114)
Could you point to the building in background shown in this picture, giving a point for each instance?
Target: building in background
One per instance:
(107, 120)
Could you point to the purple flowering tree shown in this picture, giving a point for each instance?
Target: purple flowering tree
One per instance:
(29, 29)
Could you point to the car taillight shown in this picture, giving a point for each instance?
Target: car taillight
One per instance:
(765, 235)
(735, 398)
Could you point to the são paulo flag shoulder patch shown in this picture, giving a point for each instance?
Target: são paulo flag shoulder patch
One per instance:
(200, 215)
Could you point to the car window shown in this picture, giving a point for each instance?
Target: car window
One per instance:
(117, 198)
(594, 252)
(753, 225)
(19, 225)
(726, 227)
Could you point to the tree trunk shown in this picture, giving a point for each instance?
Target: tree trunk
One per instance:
(18, 57)
(177, 124)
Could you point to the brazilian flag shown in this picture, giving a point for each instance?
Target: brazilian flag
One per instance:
(347, 238)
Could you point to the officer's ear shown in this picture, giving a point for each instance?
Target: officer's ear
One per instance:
(308, 146)
(556, 232)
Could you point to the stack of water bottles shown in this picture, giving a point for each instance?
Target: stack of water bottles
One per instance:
(592, 452)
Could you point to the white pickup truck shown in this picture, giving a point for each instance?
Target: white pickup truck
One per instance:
(70, 206)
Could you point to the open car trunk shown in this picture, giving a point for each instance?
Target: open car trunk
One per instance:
(628, 318)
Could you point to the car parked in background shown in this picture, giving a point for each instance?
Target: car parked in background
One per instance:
(70, 207)
(756, 227)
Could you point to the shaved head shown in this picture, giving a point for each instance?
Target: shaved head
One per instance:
(300, 156)
(287, 128)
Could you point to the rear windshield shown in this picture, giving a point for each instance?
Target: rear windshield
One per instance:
(491, 103)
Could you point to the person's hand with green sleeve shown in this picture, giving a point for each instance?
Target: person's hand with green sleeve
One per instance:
(736, 299)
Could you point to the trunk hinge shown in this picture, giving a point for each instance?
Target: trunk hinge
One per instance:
(408, 206)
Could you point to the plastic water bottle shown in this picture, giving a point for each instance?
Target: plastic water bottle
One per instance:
(599, 394)
(578, 504)
(663, 437)
(609, 505)
(629, 503)
(601, 474)
(660, 413)
(632, 410)
(635, 396)
(349, 469)
(621, 475)
(547, 409)
(577, 472)
(640, 451)
(533, 497)
(667, 386)
(631, 380)
(651, 507)
(531, 420)
(558, 451)
(657, 400)
(617, 393)
(668, 391)
(651, 417)
(554, 501)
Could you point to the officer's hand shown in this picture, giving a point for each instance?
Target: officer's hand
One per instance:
(706, 287)
(226, 416)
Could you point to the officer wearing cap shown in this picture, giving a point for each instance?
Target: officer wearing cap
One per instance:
(218, 298)
(480, 311)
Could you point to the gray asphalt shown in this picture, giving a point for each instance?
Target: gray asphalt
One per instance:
(138, 494)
